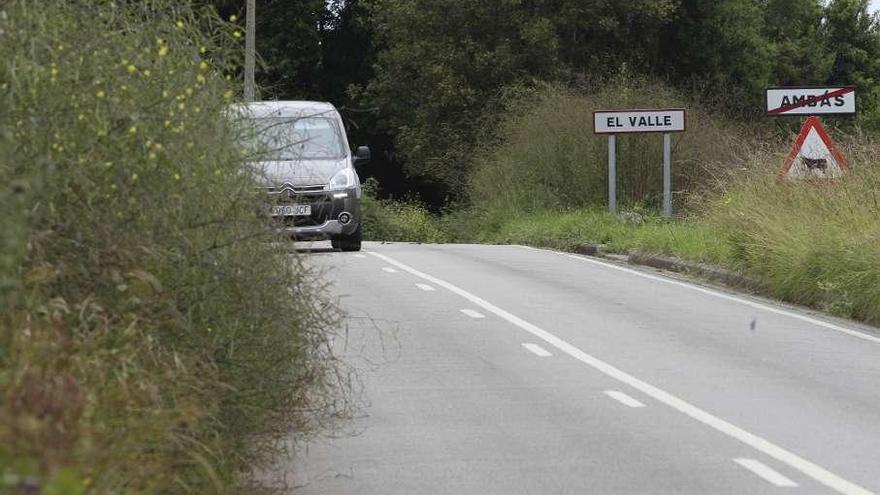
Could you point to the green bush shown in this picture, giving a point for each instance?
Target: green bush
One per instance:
(814, 243)
(152, 339)
(398, 221)
(547, 156)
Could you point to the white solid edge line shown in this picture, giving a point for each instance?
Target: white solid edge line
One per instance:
(388, 269)
(425, 287)
(729, 297)
(770, 449)
(623, 398)
(536, 349)
(764, 471)
(472, 313)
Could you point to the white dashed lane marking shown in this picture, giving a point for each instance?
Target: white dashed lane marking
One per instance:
(472, 313)
(764, 471)
(792, 460)
(425, 287)
(389, 269)
(623, 398)
(536, 349)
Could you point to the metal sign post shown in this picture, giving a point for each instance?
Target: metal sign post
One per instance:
(613, 122)
(667, 175)
(612, 173)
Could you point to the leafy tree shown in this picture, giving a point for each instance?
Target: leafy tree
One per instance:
(600, 35)
(442, 65)
(721, 42)
(800, 53)
(853, 38)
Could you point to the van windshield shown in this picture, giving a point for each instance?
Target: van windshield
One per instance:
(298, 138)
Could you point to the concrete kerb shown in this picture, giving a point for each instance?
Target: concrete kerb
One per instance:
(709, 272)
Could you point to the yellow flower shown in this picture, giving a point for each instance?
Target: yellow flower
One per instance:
(163, 50)
(152, 156)
(134, 177)
(176, 176)
(236, 34)
(203, 49)
(233, 18)
(203, 66)
(54, 71)
(180, 24)
(133, 129)
(147, 73)
(164, 93)
(181, 106)
(200, 78)
(100, 93)
(131, 69)
(167, 123)
(227, 95)
(81, 117)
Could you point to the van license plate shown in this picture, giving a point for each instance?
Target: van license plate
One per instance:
(291, 210)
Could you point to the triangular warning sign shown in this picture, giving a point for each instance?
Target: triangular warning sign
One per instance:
(814, 155)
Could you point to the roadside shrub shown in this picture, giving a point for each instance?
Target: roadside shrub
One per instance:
(152, 339)
(814, 243)
(547, 157)
(398, 221)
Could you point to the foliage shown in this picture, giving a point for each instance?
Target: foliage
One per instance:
(152, 340)
(853, 38)
(547, 157)
(570, 229)
(442, 65)
(444, 69)
(398, 221)
(815, 244)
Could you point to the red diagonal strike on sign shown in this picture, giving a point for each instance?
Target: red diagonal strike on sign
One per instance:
(813, 99)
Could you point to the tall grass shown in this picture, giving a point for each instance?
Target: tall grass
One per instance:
(398, 220)
(152, 339)
(548, 157)
(544, 183)
(814, 243)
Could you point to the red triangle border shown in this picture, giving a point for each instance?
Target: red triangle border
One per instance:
(813, 122)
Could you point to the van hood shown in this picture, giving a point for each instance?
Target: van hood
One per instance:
(296, 172)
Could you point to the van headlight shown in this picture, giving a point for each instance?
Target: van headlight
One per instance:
(343, 179)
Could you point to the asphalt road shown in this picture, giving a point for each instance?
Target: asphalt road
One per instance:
(509, 370)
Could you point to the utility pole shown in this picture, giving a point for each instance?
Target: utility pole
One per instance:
(250, 49)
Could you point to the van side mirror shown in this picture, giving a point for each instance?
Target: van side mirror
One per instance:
(362, 155)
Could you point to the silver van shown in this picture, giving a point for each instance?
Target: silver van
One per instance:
(304, 162)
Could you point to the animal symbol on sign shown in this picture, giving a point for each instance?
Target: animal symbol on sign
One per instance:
(815, 163)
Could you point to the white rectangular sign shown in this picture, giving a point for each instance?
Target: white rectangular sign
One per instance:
(624, 121)
(811, 101)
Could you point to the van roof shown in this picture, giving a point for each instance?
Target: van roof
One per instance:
(287, 108)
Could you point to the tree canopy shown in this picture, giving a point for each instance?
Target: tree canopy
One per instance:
(437, 72)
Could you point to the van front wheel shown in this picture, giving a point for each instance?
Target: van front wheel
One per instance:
(349, 242)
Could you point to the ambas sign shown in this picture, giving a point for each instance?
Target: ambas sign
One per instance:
(839, 100)
(814, 155)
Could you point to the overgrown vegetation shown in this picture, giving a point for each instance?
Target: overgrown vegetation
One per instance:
(152, 340)
(544, 184)
(398, 220)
